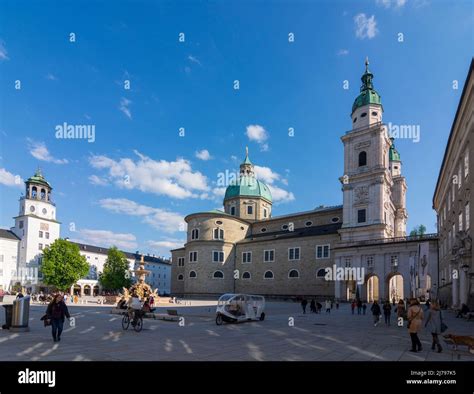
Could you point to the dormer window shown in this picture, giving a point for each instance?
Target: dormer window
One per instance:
(363, 115)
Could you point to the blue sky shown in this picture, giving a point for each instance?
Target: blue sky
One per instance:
(133, 185)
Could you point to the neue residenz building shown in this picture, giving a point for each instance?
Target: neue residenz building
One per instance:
(36, 228)
(245, 248)
(452, 200)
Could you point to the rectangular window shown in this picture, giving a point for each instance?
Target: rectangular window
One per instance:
(394, 261)
(41, 234)
(460, 221)
(347, 262)
(466, 163)
(40, 246)
(217, 256)
(232, 210)
(468, 218)
(180, 261)
(268, 256)
(370, 261)
(193, 257)
(322, 251)
(47, 235)
(246, 257)
(249, 209)
(264, 212)
(218, 233)
(361, 216)
(21, 223)
(195, 233)
(293, 253)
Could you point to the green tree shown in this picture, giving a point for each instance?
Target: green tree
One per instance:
(116, 271)
(63, 265)
(418, 231)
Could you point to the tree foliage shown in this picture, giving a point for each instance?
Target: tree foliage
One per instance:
(116, 271)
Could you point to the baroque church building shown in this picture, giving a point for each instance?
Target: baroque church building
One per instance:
(245, 249)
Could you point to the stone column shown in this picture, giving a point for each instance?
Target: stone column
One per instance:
(337, 283)
(455, 292)
(82, 290)
(463, 281)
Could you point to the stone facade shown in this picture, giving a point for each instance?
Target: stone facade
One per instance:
(453, 202)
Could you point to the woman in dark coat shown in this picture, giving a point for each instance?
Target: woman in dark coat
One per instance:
(56, 311)
(433, 322)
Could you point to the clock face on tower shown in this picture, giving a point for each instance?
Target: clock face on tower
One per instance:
(32, 208)
(44, 211)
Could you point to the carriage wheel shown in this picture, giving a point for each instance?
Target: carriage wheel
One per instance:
(219, 319)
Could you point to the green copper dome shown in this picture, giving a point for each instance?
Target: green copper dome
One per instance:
(367, 95)
(38, 179)
(393, 154)
(248, 186)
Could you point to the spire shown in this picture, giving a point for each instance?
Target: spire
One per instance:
(367, 77)
(38, 172)
(246, 168)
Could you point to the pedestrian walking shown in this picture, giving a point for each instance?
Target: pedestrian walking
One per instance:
(433, 323)
(359, 306)
(387, 311)
(56, 311)
(401, 312)
(353, 305)
(312, 306)
(337, 304)
(415, 320)
(364, 307)
(376, 312)
(304, 302)
(328, 306)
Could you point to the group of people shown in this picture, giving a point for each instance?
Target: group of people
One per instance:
(361, 306)
(415, 316)
(316, 307)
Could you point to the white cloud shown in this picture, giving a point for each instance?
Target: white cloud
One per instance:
(8, 179)
(203, 155)
(51, 77)
(365, 27)
(95, 180)
(124, 107)
(279, 194)
(258, 134)
(105, 238)
(391, 3)
(167, 244)
(39, 151)
(266, 174)
(174, 179)
(158, 218)
(343, 52)
(219, 192)
(194, 59)
(3, 51)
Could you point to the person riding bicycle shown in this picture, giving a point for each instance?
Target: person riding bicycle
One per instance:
(135, 305)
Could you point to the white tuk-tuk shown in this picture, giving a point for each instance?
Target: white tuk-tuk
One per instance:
(233, 308)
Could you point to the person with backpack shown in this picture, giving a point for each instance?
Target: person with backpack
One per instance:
(415, 320)
(56, 312)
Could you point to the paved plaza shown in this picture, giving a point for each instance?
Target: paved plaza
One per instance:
(340, 336)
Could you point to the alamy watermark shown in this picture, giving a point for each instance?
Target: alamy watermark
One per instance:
(336, 273)
(70, 131)
(405, 131)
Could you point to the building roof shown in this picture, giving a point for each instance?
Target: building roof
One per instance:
(38, 178)
(302, 213)
(133, 256)
(448, 145)
(326, 229)
(368, 95)
(8, 234)
(248, 186)
(393, 154)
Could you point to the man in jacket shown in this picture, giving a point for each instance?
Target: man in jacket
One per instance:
(56, 311)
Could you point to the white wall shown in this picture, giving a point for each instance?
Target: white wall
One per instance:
(8, 261)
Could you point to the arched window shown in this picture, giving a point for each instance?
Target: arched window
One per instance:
(218, 275)
(193, 274)
(180, 277)
(293, 274)
(34, 192)
(43, 194)
(268, 275)
(246, 275)
(232, 211)
(362, 158)
(195, 233)
(321, 273)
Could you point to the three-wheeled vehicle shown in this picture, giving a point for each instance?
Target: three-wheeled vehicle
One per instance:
(233, 308)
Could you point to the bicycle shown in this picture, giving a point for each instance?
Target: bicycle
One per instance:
(135, 318)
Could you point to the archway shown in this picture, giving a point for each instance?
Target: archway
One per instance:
(351, 290)
(96, 290)
(87, 290)
(373, 288)
(395, 288)
(77, 290)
